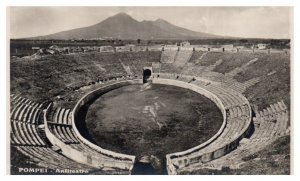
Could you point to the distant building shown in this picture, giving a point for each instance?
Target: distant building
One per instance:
(107, 49)
(261, 46)
(185, 43)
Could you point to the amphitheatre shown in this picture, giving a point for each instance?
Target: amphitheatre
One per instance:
(164, 109)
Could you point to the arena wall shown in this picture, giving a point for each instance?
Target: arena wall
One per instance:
(86, 98)
(83, 157)
(168, 79)
(209, 155)
(212, 97)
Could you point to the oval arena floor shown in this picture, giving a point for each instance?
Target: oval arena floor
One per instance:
(152, 120)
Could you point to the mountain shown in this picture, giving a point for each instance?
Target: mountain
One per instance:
(122, 26)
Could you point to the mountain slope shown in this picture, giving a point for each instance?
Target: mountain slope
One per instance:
(122, 26)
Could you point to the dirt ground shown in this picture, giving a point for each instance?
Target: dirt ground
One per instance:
(152, 121)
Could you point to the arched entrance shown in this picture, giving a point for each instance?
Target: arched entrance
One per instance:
(147, 73)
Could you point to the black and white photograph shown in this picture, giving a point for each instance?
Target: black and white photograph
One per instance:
(150, 90)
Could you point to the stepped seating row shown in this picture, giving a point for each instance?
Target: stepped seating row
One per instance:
(156, 67)
(210, 61)
(102, 65)
(214, 76)
(136, 61)
(242, 68)
(182, 57)
(30, 140)
(251, 82)
(66, 134)
(273, 120)
(232, 84)
(24, 122)
(168, 56)
(241, 87)
(197, 56)
(209, 58)
(23, 109)
(15, 106)
(113, 69)
(126, 68)
(212, 67)
(168, 67)
(25, 134)
(230, 98)
(102, 80)
(234, 158)
(271, 124)
(60, 124)
(206, 72)
(14, 98)
(266, 131)
(228, 80)
(227, 96)
(136, 66)
(61, 116)
(233, 129)
(48, 158)
(237, 123)
(238, 111)
(272, 110)
(192, 70)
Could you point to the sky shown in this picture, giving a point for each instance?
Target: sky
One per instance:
(247, 22)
